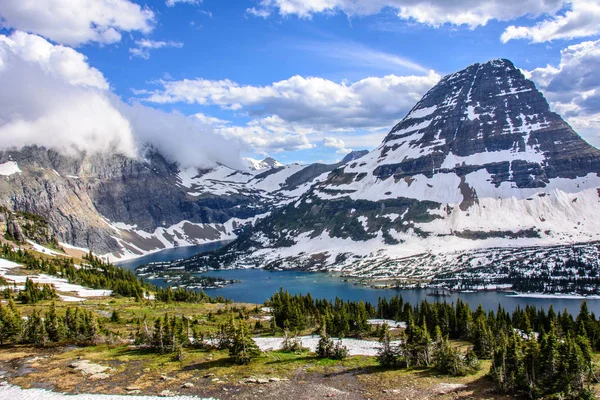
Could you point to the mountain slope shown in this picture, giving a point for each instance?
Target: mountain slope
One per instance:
(479, 163)
(127, 207)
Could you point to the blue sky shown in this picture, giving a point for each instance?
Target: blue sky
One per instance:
(299, 80)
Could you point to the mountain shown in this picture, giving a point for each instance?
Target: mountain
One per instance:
(354, 155)
(123, 207)
(480, 166)
(267, 163)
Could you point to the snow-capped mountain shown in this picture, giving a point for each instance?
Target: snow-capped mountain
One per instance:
(479, 163)
(354, 155)
(123, 207)
(266, 163)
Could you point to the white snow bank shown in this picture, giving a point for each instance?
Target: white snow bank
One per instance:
(9, 168)
(71, 247)
(5, 265)
(62, 285)
(554, 296)
(44, 250)
(16, 393)
(390, 322)
(355, 347)
(70, 299)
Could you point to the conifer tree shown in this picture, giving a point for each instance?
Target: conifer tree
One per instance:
(243, 348)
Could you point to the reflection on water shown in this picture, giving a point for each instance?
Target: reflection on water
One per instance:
(172, 254)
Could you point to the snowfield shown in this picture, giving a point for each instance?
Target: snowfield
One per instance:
(9, 168)
(355, 347)
(16, 393)
(61, 285)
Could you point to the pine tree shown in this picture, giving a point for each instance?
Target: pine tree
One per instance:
(243, 348)
(115, 317)
(54, 327)
(482, 338)
(325, 345)
(10, 323)
(388, 355)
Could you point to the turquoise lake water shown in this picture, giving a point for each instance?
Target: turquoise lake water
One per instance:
(258, 285)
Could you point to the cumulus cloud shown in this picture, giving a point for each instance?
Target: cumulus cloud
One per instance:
(144, 46)
(51, 97)
(337, 144)
(307, 102)
(472, 13)
(186, 140)
(263, 135)
(581, 20)
(573, 87)
(298, 112)
(75, 22)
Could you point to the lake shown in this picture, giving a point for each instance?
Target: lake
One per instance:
(172, 254)
(258, 285)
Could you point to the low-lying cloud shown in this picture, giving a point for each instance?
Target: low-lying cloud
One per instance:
(51, 97)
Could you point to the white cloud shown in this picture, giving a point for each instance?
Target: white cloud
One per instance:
(75, 22)
(172, 3)
(258, 12)
(311, 102)
(573, 87)
(581, 20)
(212, 121)
(300, 111)
(144, 46)
(269, 135)
(472, 13)
(51, 97)
(337, 144)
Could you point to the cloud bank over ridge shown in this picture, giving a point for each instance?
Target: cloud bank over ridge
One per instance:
(52, 97)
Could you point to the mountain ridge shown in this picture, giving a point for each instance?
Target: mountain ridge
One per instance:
(122, 207)
(479, 162)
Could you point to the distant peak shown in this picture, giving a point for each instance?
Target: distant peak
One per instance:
(354, 155)
(266, 163)
(272, 163)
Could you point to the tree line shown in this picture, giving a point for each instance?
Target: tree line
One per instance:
(97, 274)
(533, 352)
(76, 325)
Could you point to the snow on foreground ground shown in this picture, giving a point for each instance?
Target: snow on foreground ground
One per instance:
(16, 393)
(61, 285)
(355, 347)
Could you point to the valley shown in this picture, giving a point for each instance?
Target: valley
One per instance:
(180, 344)
(299, 199)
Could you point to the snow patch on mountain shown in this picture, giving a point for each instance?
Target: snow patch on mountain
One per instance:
(9, 168)
(266, 163)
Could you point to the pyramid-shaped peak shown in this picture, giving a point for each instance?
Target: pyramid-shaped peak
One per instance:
(489, 117)
(481, 101)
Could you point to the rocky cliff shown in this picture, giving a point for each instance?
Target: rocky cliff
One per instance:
(113, 204)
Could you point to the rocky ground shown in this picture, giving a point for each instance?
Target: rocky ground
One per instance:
(126, 371)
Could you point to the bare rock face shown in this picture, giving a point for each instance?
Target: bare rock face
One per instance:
(79, 194)
(479, 162)
(110, 203)
(14, 231)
